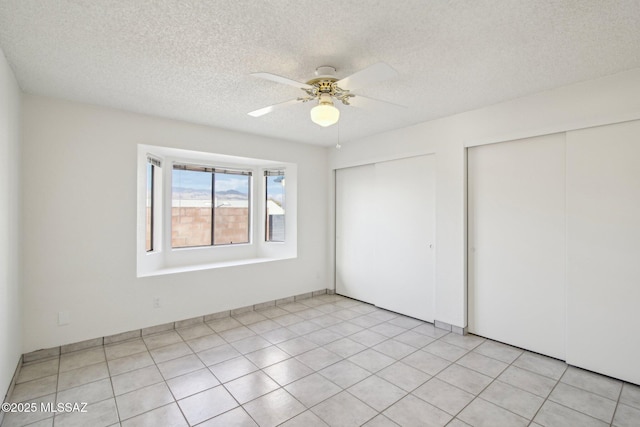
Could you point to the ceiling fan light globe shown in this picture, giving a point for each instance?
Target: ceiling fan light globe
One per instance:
(325, 115)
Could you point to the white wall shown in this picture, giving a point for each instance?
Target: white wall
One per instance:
(10, 293)
(607, 100)
(79, 189)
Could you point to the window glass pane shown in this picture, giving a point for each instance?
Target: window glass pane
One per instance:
(275, 208)
(231, 209)
(149, 209)
(191, 208)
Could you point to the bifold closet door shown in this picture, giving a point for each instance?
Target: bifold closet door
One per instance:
(603, 243)
(385, 226)
(516, 229)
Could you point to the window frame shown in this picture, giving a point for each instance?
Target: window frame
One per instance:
(267, 174)
(152, 191)
(213, 170)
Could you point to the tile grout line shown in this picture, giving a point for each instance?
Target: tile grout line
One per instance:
(240, 405)
(615, 410)
(111, 377)
(567, 367)
(343, 359)
(164, 379)
(259, 370)
(558, 381)
(395, 361)
(127, 372)
(477, 396)
(280, 387)
(184, 416)
(55, 398)
(547, 397)
(455, 386)
(317, 372)
(431, 376)
(113, 390)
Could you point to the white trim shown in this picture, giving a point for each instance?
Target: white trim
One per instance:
(563, 128)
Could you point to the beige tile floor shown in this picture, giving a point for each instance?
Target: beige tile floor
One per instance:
(323, 361)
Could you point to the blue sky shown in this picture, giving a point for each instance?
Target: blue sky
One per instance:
(202, 181)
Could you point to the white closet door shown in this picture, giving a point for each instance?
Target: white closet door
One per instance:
(603, 241)
(405, 236)
(355, 233)
(516, 229)
(385, 216)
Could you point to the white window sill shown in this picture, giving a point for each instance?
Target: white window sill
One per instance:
(209, 266)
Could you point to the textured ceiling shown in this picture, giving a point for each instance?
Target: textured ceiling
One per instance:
(191, 60)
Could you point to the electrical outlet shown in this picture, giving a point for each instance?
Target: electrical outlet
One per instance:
(64, 318)
(156, 302)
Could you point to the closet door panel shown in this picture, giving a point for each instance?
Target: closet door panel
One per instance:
(517, 251)
(603, 238)
(405, 236)
(355, 233)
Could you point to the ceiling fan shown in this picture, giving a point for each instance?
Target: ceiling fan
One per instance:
(326, 88)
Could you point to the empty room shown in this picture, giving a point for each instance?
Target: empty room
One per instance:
(338, 213)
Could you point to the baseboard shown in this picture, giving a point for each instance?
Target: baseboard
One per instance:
(451, 328)
(49, 353)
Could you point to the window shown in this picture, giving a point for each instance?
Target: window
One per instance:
(210, 206)
(275, 206)
(152, 164)
(206, 210)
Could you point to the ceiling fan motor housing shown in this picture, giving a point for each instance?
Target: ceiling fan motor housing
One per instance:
(325, 83)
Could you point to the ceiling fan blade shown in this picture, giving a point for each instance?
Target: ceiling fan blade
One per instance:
(270, 108)
(366, 102)
(279, 79)
(368, 76)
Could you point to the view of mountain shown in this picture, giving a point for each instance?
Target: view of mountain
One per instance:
(192, 194)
